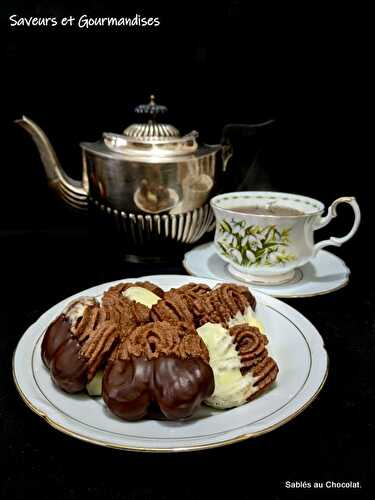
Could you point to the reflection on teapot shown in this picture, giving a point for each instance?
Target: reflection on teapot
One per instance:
(196, 190)
(155, 198)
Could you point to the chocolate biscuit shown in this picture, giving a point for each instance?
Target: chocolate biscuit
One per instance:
(189, 293)
(131, 313)
(64, 327)
(222, 304)
(172, 308)
(159, 364)
(74, 358)
(251, 346)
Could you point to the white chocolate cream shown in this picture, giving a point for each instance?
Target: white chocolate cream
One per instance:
(247, 317)
(94, 387)
(75, 309)
(231, 387)
(141, 295)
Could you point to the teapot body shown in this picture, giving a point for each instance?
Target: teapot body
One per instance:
(171, 186)
(164, 202)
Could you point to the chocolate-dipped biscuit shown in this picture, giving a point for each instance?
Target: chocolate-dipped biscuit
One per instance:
(85, 349)
(251, 346)
(240, 362)
(64, 327)
(68, 368)
(159, 364)
(223, 304)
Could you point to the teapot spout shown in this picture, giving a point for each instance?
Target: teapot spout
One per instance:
(73, 192)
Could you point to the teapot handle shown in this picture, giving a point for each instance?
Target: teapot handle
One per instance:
(243, 129)
(239, 130)
(227, 154)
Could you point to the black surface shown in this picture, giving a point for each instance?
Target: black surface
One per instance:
(309, 69)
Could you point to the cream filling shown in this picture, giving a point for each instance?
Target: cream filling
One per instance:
(231, 387)
(141, 295)
(247, 317)
(75, 309)
(94, 387)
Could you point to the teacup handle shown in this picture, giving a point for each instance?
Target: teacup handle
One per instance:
(323, 221)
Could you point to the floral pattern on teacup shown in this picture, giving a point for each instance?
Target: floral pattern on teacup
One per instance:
(254, 245)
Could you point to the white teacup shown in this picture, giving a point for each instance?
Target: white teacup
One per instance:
(268, 248)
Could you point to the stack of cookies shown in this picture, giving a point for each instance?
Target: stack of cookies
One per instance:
(150, 352)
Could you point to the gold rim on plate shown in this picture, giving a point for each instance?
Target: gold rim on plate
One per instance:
(219, 444)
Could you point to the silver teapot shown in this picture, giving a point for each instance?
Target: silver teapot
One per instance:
(149, 183)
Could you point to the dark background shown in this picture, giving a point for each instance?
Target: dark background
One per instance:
(211, 63)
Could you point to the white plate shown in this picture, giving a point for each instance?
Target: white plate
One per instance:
(325, 273)
(293, 342)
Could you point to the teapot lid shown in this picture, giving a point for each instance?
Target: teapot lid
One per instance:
(152, 130)
(151, 139)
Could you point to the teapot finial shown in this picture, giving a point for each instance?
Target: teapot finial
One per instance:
(152, 109)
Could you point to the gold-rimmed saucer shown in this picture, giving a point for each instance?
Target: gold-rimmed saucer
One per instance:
(324, 274)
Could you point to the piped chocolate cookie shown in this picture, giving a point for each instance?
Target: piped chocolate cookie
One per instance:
(240, 362)
(226, 304)
(64, 327)
(127, 290)
(140, 349)
(158, 364)
(83, 349)
(172, 308)
(189, 293)
(133, 302)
